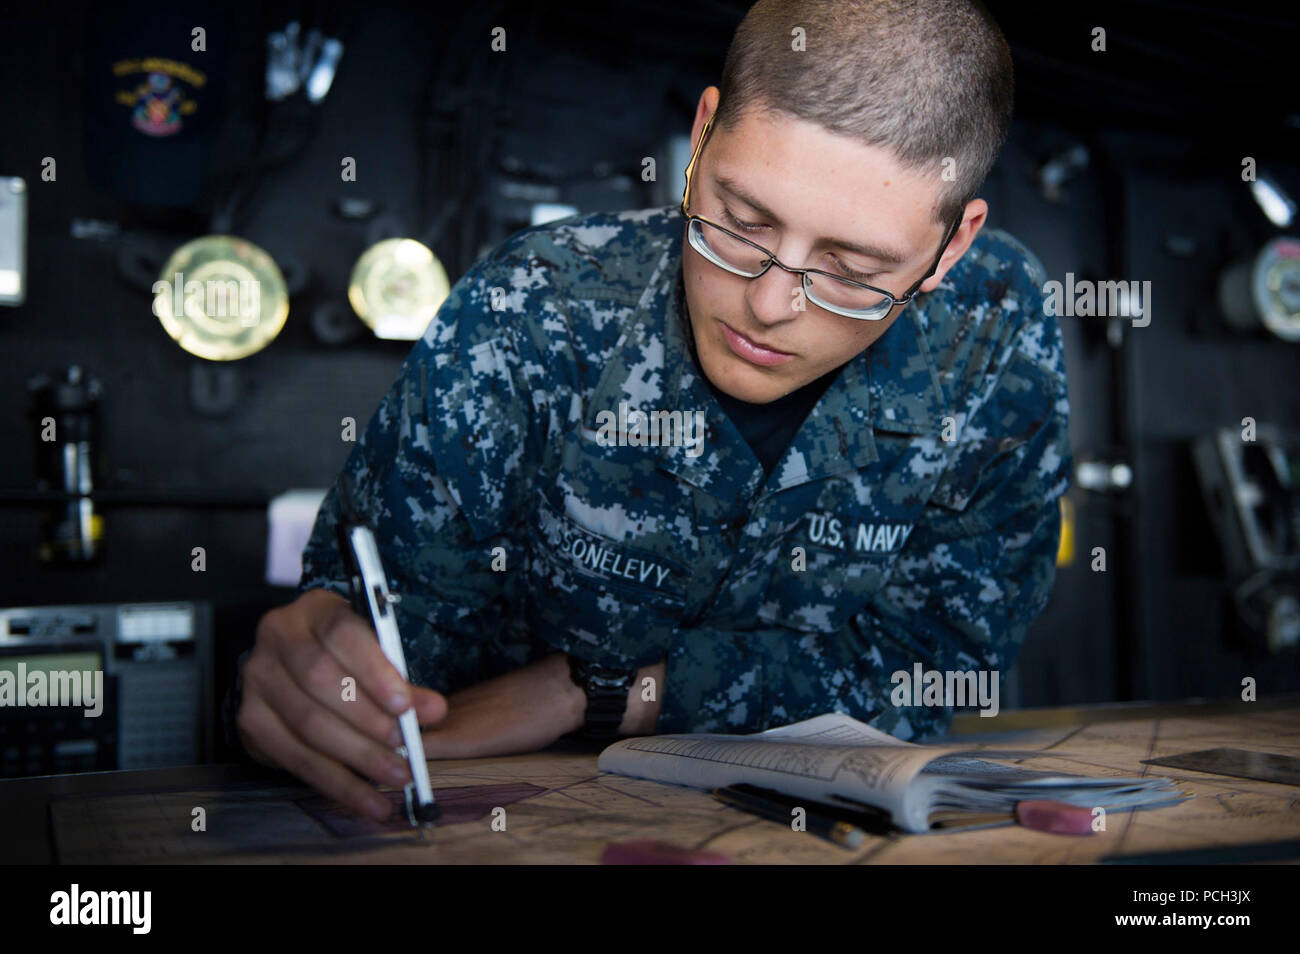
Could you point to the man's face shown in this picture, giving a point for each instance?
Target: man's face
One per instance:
(798, 190)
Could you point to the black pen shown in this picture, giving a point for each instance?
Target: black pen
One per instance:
(778, 807)
(871, 819)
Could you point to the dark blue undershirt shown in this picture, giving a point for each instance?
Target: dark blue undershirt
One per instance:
(769, 428)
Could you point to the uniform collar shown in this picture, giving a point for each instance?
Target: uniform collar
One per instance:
(651, 369)
(893, 386)
(727, 468)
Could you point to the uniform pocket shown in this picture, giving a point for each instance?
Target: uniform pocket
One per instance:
(817, 589)
(598, 598)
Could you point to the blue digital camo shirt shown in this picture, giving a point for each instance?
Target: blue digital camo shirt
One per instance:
(913, 518)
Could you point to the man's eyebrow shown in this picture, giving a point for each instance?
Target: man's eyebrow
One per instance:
(882, 253)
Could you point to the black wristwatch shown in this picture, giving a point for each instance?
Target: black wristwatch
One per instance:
(606, 690)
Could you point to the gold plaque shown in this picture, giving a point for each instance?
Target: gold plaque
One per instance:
(221, 298)
(397, 287)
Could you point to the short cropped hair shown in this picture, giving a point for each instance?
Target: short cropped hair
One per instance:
(925, 79)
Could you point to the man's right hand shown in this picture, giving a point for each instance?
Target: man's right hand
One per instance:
(293, 715)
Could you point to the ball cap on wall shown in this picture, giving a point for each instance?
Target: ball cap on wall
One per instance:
(152, 100)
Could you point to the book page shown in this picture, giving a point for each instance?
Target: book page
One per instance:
(834, 728)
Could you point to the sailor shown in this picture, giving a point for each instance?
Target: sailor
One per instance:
(875, 486)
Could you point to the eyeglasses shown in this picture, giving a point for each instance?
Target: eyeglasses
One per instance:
(740, 256)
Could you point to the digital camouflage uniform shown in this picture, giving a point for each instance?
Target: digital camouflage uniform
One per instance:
(913, 548)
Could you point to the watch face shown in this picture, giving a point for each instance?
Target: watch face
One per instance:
(1276, 287)
(607, 677)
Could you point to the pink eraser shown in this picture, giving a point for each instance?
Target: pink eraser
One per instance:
(649, 852)
(1058, 817)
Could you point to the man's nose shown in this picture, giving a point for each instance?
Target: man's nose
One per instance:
(776, 296)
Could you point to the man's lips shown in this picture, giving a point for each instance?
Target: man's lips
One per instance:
(751, 350)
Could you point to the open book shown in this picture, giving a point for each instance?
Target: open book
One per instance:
(836, 759)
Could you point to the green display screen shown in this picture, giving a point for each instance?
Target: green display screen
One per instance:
(53, 662)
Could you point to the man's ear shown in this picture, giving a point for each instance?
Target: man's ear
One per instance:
(977, 211)
(706, 107)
